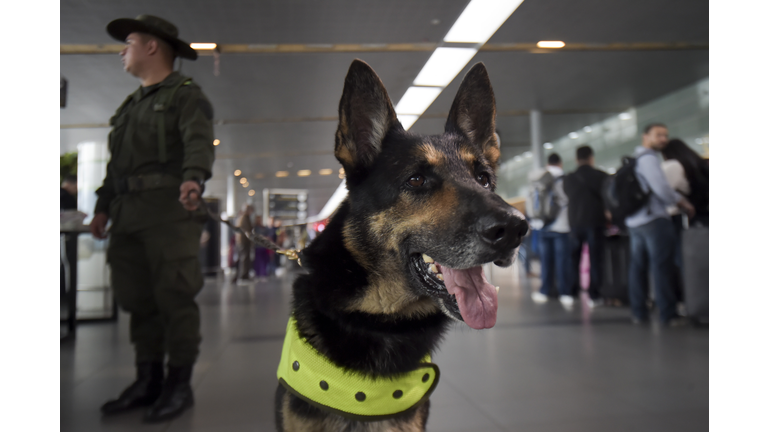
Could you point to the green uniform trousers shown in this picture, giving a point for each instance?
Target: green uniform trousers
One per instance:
(156, 276)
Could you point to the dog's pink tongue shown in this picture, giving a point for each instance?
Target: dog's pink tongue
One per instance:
(477, 299)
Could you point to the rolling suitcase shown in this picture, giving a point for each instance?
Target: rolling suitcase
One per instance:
(695, 248)
(615, 285)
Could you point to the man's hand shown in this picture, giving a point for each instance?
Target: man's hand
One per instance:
(687, 208)
(190, 195)
(99, 225)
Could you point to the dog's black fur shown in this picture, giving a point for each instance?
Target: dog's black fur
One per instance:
(364, 302)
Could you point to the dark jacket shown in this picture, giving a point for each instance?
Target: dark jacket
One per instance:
(585, 201)
(133, 145)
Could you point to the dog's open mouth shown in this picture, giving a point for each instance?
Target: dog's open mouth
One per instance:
(466, 290)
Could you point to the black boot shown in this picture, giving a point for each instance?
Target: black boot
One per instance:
(176, 396)
(143, 392)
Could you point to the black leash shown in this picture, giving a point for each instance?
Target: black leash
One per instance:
(255, 238)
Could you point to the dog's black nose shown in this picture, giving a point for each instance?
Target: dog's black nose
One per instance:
(508, 232)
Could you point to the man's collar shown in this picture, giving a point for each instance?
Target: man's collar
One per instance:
(312, 377)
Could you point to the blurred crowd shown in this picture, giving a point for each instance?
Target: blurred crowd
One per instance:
(650, 218)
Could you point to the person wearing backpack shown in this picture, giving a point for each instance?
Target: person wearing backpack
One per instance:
(651, 232)
(587, 218)
(549, 212)
(161, 147)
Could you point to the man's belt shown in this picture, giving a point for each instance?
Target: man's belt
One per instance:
(144, 182)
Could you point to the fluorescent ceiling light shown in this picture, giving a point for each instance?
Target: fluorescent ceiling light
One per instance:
(443, 66)
(281, 174)
(625, 116)
(407, 120)
(326, 171)
(304, 173)
(203, 46)
(548, 146)
(550, 44)
(573, 135)
(416, 100)
(480, 20)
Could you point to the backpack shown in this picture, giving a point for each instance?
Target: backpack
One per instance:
(542, 202)
(622, 193)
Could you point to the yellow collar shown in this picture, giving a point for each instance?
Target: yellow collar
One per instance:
(314, 378)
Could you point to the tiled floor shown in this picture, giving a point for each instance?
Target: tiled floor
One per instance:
(541, 368)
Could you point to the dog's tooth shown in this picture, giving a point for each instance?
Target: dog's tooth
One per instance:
(427, 259)
(433, 268)
(440, 276)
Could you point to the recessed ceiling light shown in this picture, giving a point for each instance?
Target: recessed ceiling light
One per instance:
(326, 171)
(237, 172)
(550, 44)
(548, 146)
(251, 192)
(202, 46)
(243, 180)
(573, 135)
(304, 173)
(407, 120)
(216, 142)
(625, 116)
(416, 100)
(480, 20)
(245, 185)
(281, 174)
(443, 66)
(587, 129)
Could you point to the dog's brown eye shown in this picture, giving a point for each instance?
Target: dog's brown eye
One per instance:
(484, 180)
(416, 180)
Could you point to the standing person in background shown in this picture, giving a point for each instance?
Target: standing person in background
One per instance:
(161, 148)
(261, 255)
(688, 174)
(68, 197)
(553, 243)
(651, 233)
(244, 246)
(587, 217)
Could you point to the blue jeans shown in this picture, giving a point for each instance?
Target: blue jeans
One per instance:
(555, 262)
(652, 243)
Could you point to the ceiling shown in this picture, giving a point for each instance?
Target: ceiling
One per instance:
(277, 111)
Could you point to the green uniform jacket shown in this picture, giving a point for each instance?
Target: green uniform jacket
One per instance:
(133, 145)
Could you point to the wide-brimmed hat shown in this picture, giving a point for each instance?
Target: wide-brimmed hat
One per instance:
(122, 27)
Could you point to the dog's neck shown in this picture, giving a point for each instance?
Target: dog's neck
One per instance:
(373, 343)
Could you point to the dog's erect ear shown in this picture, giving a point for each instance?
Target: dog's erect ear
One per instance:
(365, 116)
(473, 113)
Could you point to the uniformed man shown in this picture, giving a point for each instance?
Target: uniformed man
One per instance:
(161, 147)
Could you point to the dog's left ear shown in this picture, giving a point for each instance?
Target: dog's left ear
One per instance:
(365, 116)
(473, 113)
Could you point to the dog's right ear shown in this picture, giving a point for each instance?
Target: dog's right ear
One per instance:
(365, 116)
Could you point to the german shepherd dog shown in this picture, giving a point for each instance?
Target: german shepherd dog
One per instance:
(401, 258)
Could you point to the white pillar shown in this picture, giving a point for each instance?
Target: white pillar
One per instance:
(231, 193)
(536, 148)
